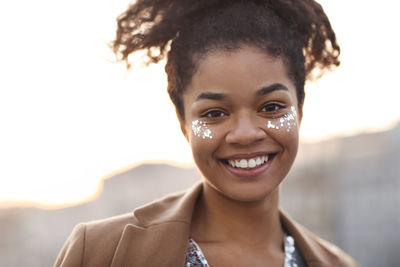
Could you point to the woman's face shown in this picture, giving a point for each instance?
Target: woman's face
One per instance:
(241, 122)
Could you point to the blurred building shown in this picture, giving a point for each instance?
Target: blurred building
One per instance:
(347, 190)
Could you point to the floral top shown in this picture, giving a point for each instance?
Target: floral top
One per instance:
(196, 258)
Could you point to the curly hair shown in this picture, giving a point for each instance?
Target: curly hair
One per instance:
(298, 31)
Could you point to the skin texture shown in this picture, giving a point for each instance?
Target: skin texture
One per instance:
(238, 211)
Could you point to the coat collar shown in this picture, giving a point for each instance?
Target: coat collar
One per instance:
(314, 253)
(159, 238)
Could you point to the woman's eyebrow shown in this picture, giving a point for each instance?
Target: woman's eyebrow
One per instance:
(260, 92)
(271, 88)
(211, 96)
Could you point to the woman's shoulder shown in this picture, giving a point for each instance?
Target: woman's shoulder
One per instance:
(96, 238)
(314, 249)
(99, 243)
(107, 230)
(172, 207)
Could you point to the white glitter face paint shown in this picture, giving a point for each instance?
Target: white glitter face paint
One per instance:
(201, 129)
(287, 121)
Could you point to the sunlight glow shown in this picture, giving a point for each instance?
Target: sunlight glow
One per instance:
(69, 117)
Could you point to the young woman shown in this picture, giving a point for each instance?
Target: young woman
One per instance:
(236, 73)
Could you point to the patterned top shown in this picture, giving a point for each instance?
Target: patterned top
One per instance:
(196, 258)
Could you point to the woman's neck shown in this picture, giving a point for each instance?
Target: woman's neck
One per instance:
(218, 218)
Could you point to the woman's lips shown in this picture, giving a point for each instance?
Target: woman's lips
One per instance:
(248, 167)
(248, 163)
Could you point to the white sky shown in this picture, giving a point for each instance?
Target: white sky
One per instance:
(68, 116)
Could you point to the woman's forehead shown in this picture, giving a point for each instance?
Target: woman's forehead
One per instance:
(246, 67)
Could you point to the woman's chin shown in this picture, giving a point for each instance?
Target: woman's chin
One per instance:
(246, 193)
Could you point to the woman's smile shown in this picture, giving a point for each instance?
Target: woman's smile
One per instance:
(248, 161)
(249, 166)
(241, 122)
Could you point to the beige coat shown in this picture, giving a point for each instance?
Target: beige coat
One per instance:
(157, 234)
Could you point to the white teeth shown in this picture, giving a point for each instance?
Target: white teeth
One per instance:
(237, 164)
(252, 163)
(248, 163)
(243, 163)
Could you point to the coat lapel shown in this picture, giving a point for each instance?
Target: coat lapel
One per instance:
(161, 234)
(159, 245)
(309, 245)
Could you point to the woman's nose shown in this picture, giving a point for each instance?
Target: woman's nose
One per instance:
(245, 131)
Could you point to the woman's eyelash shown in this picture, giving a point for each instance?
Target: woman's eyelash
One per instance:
(272, 107)
(213, 114)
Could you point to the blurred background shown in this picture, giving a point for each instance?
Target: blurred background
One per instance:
(81, 138)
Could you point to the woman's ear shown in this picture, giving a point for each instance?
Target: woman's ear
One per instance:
(183, 129)
(300, 112)
(182, 124)
(300, 115)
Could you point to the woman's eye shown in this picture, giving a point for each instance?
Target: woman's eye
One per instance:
(214, 114)
(271, 107)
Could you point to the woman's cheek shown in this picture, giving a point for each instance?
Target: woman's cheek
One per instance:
(201, 130)
(285, 130)
(203, 142)
(286, 123)
(202, 138)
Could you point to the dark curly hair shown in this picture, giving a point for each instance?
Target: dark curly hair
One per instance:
(298, 31)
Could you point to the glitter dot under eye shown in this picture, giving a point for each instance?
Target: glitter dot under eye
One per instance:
(287, 121)
(200, 129)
